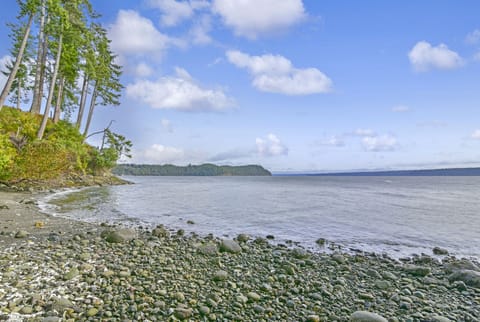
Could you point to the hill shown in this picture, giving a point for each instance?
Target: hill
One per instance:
(190, 170)
(407, 173)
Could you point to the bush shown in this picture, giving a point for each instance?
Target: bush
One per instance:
(7, 155)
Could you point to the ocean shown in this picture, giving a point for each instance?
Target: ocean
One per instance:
(398, 216)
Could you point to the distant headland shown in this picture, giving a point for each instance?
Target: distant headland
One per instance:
(396, 173)
(207, 169)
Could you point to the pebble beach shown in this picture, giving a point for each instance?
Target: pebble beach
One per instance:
(54, 269)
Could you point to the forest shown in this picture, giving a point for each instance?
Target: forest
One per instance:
(190, 170)
(61, 69)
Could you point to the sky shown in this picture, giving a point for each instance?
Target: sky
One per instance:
(294, 85)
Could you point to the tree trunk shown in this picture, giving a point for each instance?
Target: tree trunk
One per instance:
(58, 106)
(41, 130)
(37, 88)
(83, 100)
(92, 108)
(18, 60)
(19, 94)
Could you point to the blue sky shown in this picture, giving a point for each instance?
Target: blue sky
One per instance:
(295, 85)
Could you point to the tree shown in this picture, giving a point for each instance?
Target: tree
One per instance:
(106, 78)
(28, 8)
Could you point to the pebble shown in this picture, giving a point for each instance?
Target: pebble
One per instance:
(364, 316)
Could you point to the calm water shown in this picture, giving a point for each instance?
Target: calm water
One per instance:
(396, 215)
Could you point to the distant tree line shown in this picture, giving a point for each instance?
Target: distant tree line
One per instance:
(190, 170)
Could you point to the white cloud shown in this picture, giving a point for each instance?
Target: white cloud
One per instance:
(364, 132)
(3, 63)
(473, 37)
(379, 143)
(143, 70)
(199, 32)
(276, 74)
(400, 109)
(158, 153)
(167, 125)
(179, 92)
(253, 18)
(270, 146)
(133, 34)
(173, 12)
(334, 141)
(424, 57)
(476, 135)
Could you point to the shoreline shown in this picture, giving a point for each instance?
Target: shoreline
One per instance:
(67, 269)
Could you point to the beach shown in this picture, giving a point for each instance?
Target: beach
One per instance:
(55, 269)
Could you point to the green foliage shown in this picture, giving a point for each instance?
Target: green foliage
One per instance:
(113, 147)
(60, 153)
(190, 170)
(7, 155)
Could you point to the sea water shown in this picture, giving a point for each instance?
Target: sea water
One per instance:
(399, 216)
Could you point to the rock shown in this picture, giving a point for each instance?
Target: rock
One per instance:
(243, 238)
(71, 274)
(120, 235)
(415, 270)
(179, 296)
(220, 276)
(54, 237)
(381, 284)
(459, 285)
(338, 258)
(437, 318)
(459, 265)
(51, 319)
(4, 207)
(300, 253)
(313, 318)
(190, 222)
(469, 277)
(208, 249)
(321, 242)
(161, 232)
(21, 234)
(204, 310)
(61, 304)
(373, 273)
(389, 276)
(254, 297)
(92, 312)
(183, 313)
(26, 310)
(230, 246)
(364, 316)
(440, 251)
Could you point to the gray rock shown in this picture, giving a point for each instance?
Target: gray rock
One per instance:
(462, 264)
(208, 249)
(21, 234)
(51, 319)
(243, 238)
(338, 258)
(440, 251)
(161, 232)
(437, 318)
(61, 304)
(220, 276)
(364, 316)
(469, 277)
(71, 274)
(230, 246)
(183, 313)
(120, 235)
(254, 297)
(415, 270)
(204, 310)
